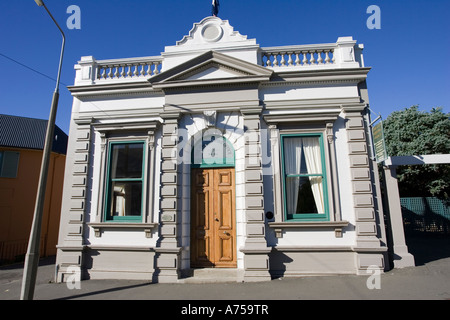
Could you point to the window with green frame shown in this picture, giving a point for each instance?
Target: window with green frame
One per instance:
(304, 177)
(125, 181)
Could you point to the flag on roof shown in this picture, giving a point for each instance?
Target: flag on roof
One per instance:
(215, 7)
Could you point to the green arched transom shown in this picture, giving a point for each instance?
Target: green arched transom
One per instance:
(212, 151)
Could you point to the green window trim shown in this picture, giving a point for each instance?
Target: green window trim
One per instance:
(108, 217)
(306, 217)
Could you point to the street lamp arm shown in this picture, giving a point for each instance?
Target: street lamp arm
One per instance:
(63, 44)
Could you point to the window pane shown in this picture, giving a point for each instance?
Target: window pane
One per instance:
(126, 161)
(292, 155)
(304, 195)
(312, 155)
(302, 155)
(9, 164)
(126, 199)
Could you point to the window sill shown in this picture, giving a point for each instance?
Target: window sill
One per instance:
(99, 226)
(336, 225)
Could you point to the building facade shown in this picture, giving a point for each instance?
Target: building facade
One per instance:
(222, 154)
(21, 149)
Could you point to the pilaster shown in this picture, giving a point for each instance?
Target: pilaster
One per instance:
(256, 259)
(167, 257)
(72, 247)
(401, 257)
(368, 246)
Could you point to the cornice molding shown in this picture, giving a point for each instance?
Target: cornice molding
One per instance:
(114, 90)
(126, 126)
(298, 77)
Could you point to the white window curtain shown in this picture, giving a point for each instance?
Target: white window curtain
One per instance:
(311, 148)
(292, 160)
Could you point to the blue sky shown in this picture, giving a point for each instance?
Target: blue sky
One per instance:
(409, 55)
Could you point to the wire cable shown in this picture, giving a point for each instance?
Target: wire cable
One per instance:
(29, 68)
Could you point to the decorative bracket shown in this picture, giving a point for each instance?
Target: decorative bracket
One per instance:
(210, 117)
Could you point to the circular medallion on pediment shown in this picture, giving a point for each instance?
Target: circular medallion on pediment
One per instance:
(212, 32)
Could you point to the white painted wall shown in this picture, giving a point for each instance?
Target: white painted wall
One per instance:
(307, 92)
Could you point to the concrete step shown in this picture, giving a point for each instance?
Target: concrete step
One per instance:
(213, 275)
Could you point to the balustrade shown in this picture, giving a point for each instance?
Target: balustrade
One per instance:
(114, 70)
(342, 54)
(297, 57)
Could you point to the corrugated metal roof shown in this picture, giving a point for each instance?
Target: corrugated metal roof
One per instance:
(29, 133)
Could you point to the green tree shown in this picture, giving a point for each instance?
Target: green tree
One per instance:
(412, 132)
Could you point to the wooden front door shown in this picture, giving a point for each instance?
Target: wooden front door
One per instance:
(213, 230)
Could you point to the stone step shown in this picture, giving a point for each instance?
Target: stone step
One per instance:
(213, 275)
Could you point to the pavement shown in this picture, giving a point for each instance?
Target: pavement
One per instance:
(428, 280)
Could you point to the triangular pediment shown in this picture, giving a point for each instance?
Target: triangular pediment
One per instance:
(212, 71)
(211, 68)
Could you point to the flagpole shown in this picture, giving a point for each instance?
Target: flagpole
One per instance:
(215, 7)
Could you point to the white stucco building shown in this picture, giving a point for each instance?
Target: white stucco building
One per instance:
(222, 154)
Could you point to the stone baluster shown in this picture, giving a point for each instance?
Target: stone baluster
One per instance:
(149, 69)
(282, 61)
(100, 72)
(319, 56)
(129, 74)
(305, 58)
(110, 73)
(290, 61)
(156, 71)
(327, 57)
(143, 72)
(138, 70)
(312, 59)
(268, 62)
(297, 59)
(275, 59)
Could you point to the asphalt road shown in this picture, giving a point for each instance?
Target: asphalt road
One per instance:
(428, 280)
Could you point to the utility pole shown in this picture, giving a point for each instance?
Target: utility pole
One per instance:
(33, 252)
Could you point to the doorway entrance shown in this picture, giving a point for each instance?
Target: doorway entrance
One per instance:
(213, 218)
